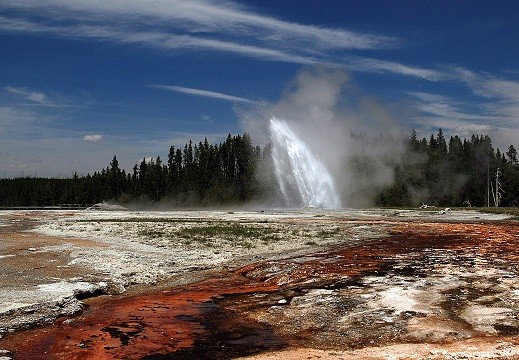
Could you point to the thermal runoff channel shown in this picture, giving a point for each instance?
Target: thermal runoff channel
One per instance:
(303, 178)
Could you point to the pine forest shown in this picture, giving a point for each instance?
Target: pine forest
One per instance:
(458, 172)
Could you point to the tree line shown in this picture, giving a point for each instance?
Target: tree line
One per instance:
(468, 172)
(195, 175)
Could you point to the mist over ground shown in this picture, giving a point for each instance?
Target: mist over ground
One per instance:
(355, 135)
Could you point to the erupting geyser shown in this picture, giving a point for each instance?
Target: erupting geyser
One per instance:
(303, 179)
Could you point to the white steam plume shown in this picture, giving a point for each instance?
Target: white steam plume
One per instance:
(324, 109)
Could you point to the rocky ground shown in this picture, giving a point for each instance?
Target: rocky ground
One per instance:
(374, 284)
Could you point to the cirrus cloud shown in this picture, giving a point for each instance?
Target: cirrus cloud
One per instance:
(204, 25)
(204, 93)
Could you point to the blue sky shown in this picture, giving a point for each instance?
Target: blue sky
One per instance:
(81, 81)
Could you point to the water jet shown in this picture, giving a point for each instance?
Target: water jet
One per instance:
(303, 178)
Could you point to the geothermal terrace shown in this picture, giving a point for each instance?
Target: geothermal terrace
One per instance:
(363, 284)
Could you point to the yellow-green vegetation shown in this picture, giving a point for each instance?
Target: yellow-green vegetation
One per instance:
(210, 233)
(227, 230)
(327, 233)
(204, 231)
(146, 220)
(217, 232)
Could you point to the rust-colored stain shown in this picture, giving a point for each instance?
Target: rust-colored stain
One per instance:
(132, 327)
(495, 241)
(177, 323)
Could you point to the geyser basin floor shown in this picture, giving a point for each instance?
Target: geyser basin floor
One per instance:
(407, 284)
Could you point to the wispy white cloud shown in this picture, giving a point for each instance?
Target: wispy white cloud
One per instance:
(492, 108)
(443, 106)
(8, 116)
(204, 93)
(206, 25)
(33, 117)
(27, 97)
(200, 17)
(93, 138)
(222, 26)
(163, 40)
(375, 65)
(15, 122)
(22, 123)
(33, 96)
(500, 97)
(505, 99)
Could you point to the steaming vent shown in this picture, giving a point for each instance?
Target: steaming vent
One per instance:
(303, 179)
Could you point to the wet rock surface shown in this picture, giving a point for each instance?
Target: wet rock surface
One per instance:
(383, 286)
(425, 283)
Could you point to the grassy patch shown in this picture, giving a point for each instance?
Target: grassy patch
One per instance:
(328, 233)
(144, 220)
(225, 230)
(208, 233)
(152, 233)
(216, 232)
(235, 233)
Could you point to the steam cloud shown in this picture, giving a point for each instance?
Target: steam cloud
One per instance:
(341, 126)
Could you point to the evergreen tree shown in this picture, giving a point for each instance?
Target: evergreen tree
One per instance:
(512, 155)
(235, 171)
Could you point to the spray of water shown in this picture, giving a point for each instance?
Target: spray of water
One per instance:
(303, 179)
